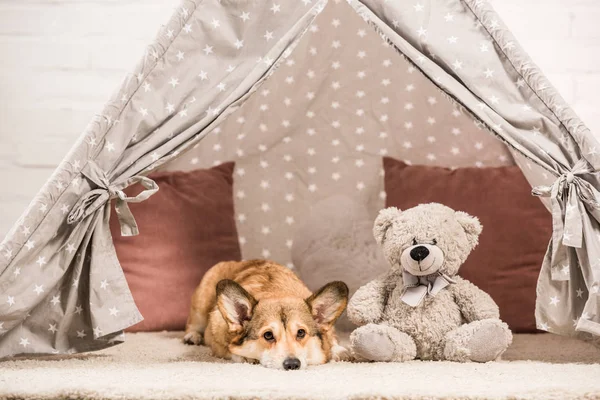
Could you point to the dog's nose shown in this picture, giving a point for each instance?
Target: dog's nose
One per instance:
(291, 363)
(419, 253)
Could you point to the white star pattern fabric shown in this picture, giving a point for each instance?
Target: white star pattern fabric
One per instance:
(320, 124)
(306, 97)
(507, 92)
(48, 274)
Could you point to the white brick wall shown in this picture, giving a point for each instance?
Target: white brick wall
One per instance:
(61, 60)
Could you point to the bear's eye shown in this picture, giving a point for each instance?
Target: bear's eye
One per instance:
(434, 242)
(414, 241)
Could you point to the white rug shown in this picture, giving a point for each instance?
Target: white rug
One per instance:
(159, 366)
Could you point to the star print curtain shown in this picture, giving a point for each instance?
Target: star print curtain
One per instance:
(306, 96)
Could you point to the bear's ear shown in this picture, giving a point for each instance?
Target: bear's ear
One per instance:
(384, 220)
(471, 225)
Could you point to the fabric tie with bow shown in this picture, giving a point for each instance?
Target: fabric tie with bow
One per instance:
(96, 198)
(417, 287)
(575, 196)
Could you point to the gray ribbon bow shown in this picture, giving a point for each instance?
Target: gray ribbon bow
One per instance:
(96, 198)
(570, 197)
(417, 287)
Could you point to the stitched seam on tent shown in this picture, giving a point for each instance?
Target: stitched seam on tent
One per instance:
(103, 136)
(510, 60)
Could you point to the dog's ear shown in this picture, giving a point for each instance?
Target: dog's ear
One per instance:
(328, 303)
(234, 303)
(384, 220)
(471, 225)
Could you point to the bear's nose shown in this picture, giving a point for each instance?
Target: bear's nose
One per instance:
(419, 253)
(291, 363)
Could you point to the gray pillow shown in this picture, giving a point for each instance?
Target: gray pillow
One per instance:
(336, 242)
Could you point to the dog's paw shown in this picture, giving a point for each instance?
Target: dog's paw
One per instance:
(243, 360)
(340, 353)
(193, 338)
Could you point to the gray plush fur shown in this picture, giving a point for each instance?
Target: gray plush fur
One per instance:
(460, 323)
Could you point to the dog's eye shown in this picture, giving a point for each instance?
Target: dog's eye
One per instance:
(434, 242)
(414, 242)
(268, 335)
(301, 333)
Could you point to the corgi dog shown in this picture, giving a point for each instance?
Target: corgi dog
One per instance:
(260, 312)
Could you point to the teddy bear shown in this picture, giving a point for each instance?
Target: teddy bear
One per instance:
(420, 308)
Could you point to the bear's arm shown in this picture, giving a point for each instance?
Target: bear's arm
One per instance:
(369, 301)
(474, 303)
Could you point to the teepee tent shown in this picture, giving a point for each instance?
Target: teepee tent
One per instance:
(306, 97)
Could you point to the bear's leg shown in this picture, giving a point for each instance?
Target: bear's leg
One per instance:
(382, 343)
(479, 341)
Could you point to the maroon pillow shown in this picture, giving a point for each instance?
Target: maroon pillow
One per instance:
(185, 228)
(516, 227)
